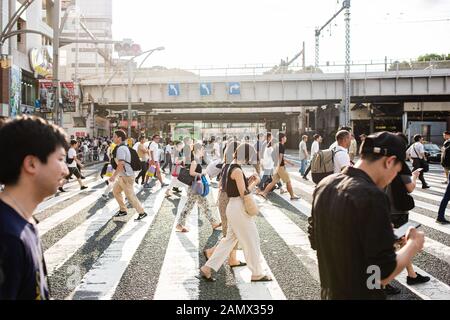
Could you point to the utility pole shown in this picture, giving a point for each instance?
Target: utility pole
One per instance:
(345, 108)
(57, 118)
(347, 63)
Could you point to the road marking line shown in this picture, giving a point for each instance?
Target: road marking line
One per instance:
(101, 281)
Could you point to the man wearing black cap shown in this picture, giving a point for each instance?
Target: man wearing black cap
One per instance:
(350, 224)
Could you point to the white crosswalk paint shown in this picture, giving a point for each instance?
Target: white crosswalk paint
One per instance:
(102, 280)
(177, 280)
(429, 222)
(430, 207)
(64, 196)
(254, 290)
(295, 238)
(66, 247)
(68, 212)
(434, 289)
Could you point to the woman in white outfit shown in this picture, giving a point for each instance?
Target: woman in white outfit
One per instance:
(241, 227)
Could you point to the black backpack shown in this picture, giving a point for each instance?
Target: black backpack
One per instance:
(135, 161)
(445, 158)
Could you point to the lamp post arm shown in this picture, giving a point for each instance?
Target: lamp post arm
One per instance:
(14, 19)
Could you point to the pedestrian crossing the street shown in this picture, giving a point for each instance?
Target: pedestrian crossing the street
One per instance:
(92, 255)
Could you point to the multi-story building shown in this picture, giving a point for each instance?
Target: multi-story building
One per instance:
(18, 76)
(86, 20)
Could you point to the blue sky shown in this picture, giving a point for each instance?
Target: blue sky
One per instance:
(218, 32)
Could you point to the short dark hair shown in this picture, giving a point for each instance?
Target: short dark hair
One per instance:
(349, 129)
(281, 136)
(154, 136)
(24, 136)
(447, 133)
(316, 136)
(73, 142)
(141, 138)
(121, 135)
(342, 134)
(417, 138)
(371, 157)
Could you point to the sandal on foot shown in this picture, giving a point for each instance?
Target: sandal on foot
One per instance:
(265, 278)
(295, 198)
(241, 264)
(202, 276)
(182, 230)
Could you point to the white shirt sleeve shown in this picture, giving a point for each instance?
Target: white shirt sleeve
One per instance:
(314, 148)
(341, 159)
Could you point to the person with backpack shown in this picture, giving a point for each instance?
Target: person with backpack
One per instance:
(401, 202)
(417, 153)
(72, 164)
(195, 171)
(350, 225)
(445, 155)
(124, 173)
(327, 162)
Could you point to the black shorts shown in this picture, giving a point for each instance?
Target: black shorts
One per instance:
(399, 219)
(75, 172)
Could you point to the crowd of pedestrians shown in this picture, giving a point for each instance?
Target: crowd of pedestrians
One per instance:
(356, 205)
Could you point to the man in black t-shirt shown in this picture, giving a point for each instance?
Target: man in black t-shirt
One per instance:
(350, 226)
(32, 169)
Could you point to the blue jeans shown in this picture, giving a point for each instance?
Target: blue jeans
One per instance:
(444, 202)
(303, 166)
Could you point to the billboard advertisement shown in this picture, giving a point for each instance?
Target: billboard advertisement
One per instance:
(68, 96)
(46, 96)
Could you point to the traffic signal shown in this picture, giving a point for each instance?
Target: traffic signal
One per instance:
(127, 48)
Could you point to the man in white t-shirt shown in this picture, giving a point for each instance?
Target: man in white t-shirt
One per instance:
(315, 147)
(303, 154)
(417, 154)
(341, 158)
(72, 161)
(125, 177)
(154, 160)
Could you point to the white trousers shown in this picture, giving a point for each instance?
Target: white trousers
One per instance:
(242, 229)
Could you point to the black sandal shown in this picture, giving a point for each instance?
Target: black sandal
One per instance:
(241, 264)
(265, 278)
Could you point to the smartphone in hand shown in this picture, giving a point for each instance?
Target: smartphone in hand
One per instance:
(401, 232)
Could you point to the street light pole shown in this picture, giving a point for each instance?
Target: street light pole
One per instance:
(131, 80)
(129, 97)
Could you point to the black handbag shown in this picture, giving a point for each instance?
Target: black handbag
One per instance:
(402, 200)
(185, 177)
(422, 162)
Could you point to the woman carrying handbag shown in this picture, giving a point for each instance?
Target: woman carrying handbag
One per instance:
(195, 170)
(240, 215)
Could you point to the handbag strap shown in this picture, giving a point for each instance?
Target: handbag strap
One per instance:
(417, 154)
